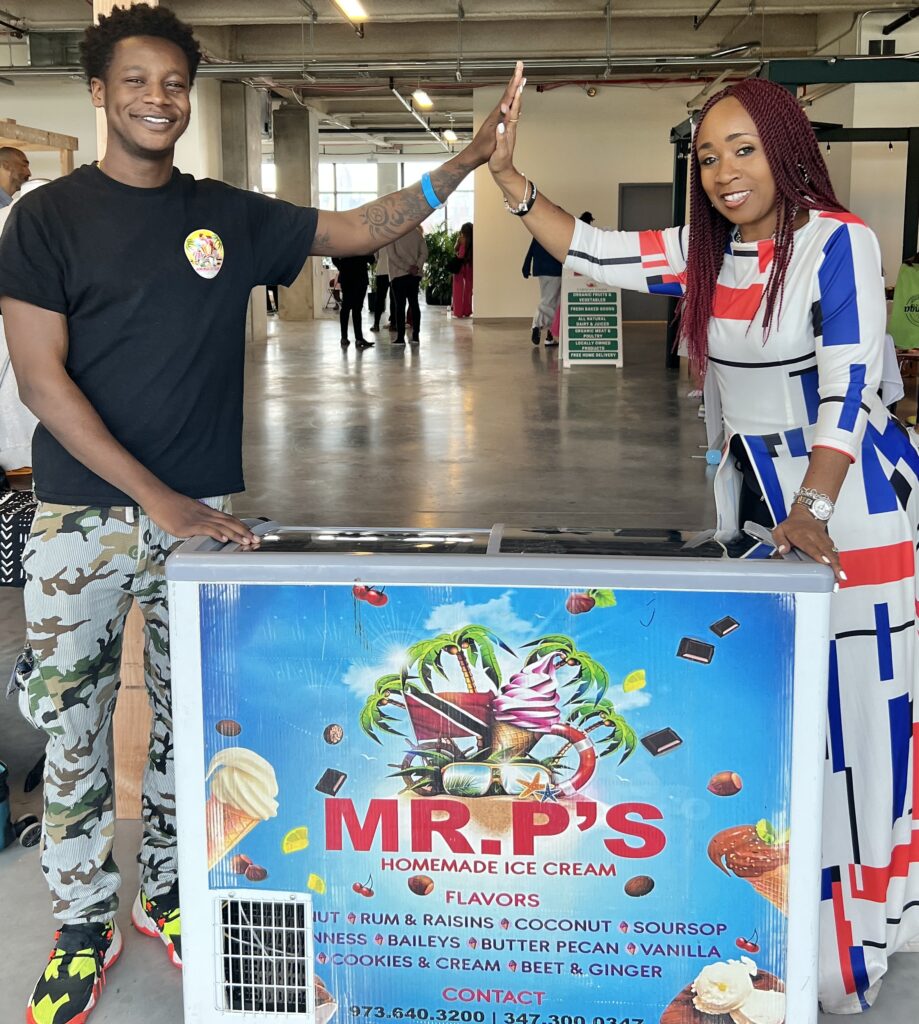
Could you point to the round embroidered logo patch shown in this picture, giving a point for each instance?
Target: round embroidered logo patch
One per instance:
(204, 250)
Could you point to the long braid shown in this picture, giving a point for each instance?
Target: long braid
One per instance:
(802, 181)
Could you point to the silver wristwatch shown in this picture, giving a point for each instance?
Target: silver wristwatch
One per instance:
(819, 505)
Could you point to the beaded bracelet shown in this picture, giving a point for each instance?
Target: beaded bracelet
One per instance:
(525, 204)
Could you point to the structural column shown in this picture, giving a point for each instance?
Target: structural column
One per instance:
(296, 148)
(241, 146)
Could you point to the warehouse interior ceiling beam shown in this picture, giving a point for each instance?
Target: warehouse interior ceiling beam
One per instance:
(307, 51)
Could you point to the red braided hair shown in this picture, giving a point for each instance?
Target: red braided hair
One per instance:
(801, 182)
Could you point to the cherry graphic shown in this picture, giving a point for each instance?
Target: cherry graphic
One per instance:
(748, 945)
(376, 597)
(360, 591)
(364, 889)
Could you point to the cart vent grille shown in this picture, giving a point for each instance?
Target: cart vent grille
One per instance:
(265, 950)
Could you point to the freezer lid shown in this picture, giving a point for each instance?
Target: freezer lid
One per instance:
(544, 556)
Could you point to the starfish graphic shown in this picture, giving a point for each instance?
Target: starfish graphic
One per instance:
(548, 795)
(530, 788)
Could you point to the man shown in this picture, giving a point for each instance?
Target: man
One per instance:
(406, 257)
(14, 173)
(124, 289)
(548, 272)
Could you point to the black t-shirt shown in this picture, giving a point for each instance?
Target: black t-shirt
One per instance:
(154, 284)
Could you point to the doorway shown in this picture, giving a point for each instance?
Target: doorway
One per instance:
(645, 207)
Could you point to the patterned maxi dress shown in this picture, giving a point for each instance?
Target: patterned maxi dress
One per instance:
(814, 382)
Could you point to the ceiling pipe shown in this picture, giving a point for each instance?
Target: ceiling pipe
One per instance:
(429, 68)
(900, 22)
(698, 22)
(408, 106)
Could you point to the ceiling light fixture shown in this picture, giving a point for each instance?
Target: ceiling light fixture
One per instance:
(450, 135)
(422, 99)
(729, 51)
(354, 13)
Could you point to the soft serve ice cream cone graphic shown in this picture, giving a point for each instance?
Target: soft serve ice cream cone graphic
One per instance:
(243, 791)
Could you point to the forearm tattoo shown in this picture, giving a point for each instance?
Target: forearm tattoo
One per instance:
(394, 215)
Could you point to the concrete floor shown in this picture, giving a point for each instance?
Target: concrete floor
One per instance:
(473, 427)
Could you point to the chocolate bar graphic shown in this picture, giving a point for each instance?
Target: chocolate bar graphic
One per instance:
(695, 650)
(724, 626)
(331, 782)
(657, 743)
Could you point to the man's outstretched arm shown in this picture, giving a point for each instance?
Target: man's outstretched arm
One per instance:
(375, 224)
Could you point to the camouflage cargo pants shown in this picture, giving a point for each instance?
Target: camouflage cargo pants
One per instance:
(84, 566)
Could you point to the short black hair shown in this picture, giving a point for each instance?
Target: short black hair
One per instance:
(99, 41)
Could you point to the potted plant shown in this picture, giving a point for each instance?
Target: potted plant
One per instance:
(437, 279)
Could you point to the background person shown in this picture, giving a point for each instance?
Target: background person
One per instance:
(380, 288)
(461, 305)
(14, 173)
(783, 301)
(407, 257)
(548, 271)
(352, 282)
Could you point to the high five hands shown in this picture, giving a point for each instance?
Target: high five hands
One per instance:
(493, 131)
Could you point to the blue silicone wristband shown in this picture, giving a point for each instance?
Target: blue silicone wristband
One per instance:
(429, 194)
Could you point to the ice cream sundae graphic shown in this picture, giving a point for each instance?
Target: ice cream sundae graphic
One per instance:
(478, 741)
(729, 992)
(758, 855)
(243, 791)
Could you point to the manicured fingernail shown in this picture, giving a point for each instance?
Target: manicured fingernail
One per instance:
(835, 588)
(825, 559)
(520, 88)
(781, 549)
(503, 108)
(501, 128)
(522, 84)
(843, 576)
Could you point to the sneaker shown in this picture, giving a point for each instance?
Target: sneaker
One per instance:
(70, 985)
(534, 335)
(549, 337)
(551, 342)
(159, 917)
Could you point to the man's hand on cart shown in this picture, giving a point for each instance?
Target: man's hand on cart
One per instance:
(188, 517)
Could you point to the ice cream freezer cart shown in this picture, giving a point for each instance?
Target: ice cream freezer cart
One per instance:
(507, 776)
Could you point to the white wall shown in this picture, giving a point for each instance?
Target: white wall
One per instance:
(53, 105)
(577, 150)
(61, 105)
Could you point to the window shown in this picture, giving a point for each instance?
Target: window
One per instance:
(459, 207)
(346, 186)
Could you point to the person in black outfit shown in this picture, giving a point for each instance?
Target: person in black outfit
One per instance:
(124, 287)
(352, 281)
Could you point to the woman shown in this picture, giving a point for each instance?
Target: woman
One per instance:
(462, 280)
(782, 299)
(352, 282)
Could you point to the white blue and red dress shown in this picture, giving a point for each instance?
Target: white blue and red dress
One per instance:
(814, 383)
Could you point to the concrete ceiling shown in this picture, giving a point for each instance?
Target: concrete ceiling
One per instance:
(305, 50)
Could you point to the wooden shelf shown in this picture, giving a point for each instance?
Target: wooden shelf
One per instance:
(34, 139)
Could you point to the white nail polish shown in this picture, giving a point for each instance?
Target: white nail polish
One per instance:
(781, 549)
(825, 559)
(843, 576)
(501, 128)
(835, 588)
